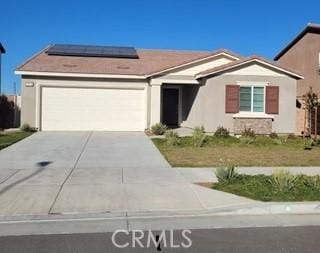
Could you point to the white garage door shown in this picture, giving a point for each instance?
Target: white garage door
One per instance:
(82, 109)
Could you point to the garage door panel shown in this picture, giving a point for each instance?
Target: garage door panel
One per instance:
(93, 109)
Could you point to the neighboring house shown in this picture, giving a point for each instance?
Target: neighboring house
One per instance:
(67, 87)
(303, 55)
(2, 51)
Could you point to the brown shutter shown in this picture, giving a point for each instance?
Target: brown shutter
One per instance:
(272, 99)
(232, 98)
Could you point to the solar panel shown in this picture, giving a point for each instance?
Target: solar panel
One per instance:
(93, 51)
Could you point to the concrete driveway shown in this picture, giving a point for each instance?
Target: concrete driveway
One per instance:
(96, 172)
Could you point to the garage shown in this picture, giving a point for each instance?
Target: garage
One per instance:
(93, 109)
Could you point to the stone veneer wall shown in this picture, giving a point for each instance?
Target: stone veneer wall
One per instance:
(258, 125)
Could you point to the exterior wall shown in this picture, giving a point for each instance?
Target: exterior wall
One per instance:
(304, 58)
(207, 103)
(31, 95)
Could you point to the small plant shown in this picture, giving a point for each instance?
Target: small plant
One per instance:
(274, 135)
(312, 182)
(27, 128)
(246, 140)
(159, 129)
(282, 180)
(291, 137)
(222, 132)
(198, 136)
(279, 141)
(172, 138)
(226, 174)
(308, 144)
(248, 132)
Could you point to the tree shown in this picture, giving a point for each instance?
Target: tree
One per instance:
(6, 110)
(311, 102)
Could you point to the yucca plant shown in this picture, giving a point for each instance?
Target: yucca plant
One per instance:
(226, 174)
(282, 180)
(198, 136)
(313, 182)
(172, 138)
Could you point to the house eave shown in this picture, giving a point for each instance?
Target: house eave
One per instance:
(85, 75)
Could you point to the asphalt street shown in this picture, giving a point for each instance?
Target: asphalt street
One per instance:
(246, 240)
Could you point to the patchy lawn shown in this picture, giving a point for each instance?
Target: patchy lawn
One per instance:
(262, 151)
(259, 188)
(10, 138)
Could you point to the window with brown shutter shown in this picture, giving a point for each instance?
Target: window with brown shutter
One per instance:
(272, 99)
(232, 98)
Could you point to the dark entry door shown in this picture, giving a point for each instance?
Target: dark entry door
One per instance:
(170, 107)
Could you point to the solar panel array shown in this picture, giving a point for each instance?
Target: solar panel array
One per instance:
(93, 51)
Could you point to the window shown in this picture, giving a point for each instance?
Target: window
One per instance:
(252, 98)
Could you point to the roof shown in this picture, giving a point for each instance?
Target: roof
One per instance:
(241, 62)
(310, 28)
(2, 49)
(150, 61)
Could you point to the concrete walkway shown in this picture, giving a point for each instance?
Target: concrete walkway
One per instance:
(85, 173)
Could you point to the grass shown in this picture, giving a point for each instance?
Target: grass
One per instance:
(259, 188)
(262, 151)
(10, 138)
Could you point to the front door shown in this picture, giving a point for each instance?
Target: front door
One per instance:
(170, 106)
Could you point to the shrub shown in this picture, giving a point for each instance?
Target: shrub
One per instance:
(198, 136)
(248, 132)
(222, 132)
(308, 144)
(274, 135)
(6, 111)
(291, 137)
(172, 138)
(246, 140)
(312, 182)
(27, 128)
(158, 129)
(226, 174)
(282, 180)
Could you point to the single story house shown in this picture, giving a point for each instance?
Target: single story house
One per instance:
(73, 87)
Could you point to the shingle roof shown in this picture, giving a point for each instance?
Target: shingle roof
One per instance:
(253, 58)
(310, 28)
(150, 61)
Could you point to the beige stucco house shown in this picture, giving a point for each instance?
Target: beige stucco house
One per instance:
(303, 55)
(67, 87)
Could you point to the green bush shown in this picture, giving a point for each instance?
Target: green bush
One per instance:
(158, 129)
(222, 132)
(308, 144)
(274, 135)
(6, 112)
(312, 182)
(27, 128)
(172, 138)
(291, 136)
(246, 140)
(282, 180)
(248, 132)
(198, 136)
(226, 174)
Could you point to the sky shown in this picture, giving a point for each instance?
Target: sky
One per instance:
(246, 27)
